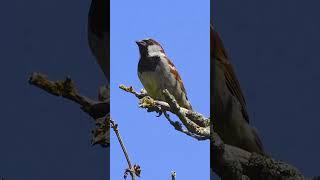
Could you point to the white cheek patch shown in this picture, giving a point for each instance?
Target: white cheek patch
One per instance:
(155, 50)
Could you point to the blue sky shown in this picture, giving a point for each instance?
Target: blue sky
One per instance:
(182, 27)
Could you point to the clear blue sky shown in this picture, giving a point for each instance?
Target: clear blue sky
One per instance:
(43, 136)
(274, 46)
(182, 27)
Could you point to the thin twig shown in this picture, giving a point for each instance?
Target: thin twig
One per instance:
(189, 124)
(173, 175)
(178, 126)
(131, 170)
(131, 90)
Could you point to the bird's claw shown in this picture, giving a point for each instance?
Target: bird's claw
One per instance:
(159, 113)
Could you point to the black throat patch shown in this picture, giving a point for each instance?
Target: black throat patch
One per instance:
(148, 63)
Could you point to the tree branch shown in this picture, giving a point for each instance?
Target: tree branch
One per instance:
(233, 163)
(178, 126)
(197, 126)
(97, 109)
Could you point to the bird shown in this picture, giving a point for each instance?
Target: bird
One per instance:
(157, 73)
(98, 34)
(231, 119)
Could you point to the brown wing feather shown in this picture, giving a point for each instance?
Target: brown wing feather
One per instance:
(174, 71)
(219, 54)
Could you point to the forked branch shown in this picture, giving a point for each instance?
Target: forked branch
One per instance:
(191, 123)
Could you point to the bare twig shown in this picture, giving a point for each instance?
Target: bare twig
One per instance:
(173, 175)
(178, 126)
(131, 90)
(133, 170)
(188, 123)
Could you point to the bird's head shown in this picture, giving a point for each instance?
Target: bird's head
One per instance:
(150, 47)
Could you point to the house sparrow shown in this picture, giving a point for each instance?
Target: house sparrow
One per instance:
(98, 35)
(229, 106)
(156, 72)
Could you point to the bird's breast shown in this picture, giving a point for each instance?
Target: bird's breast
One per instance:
(152, 83)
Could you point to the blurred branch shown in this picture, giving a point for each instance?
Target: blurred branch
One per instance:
(97, 109)
(230, 162)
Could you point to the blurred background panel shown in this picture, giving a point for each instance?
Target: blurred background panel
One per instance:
(273, 46)
(43, 136)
